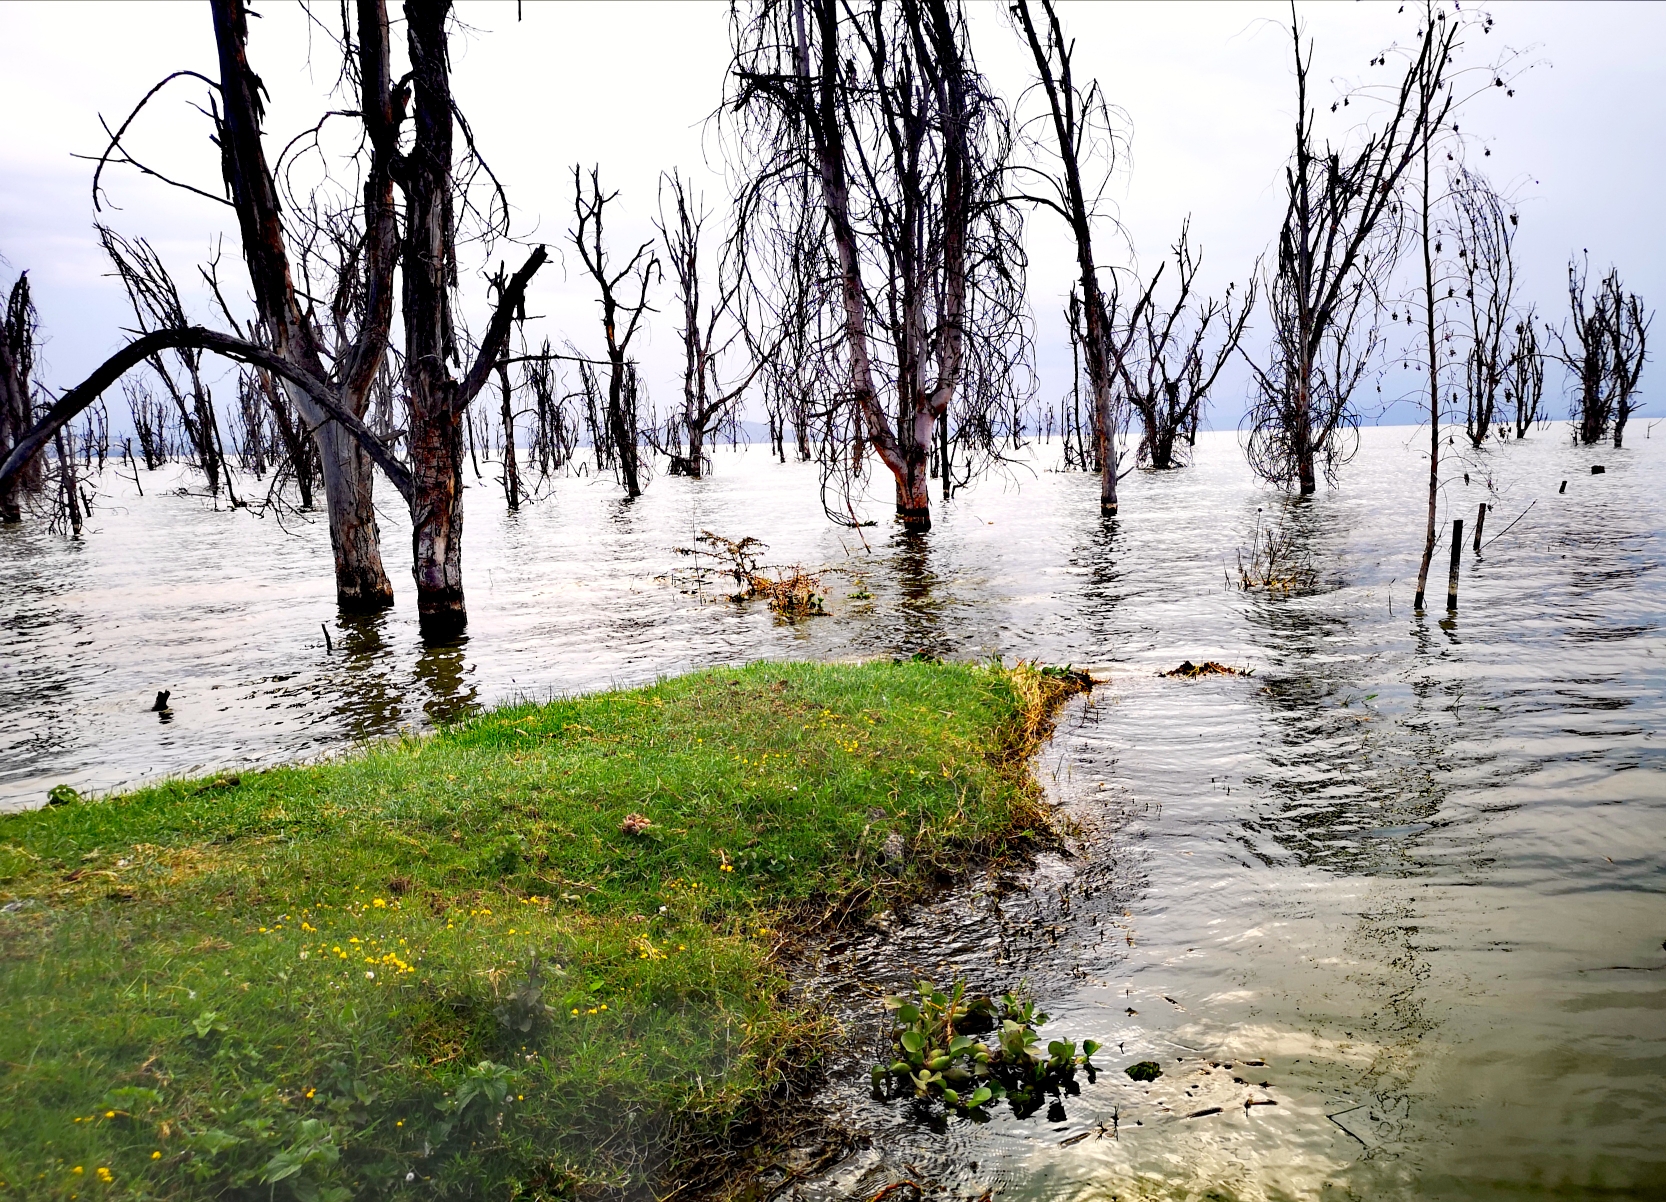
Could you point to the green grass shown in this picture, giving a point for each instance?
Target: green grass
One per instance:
(315, 982)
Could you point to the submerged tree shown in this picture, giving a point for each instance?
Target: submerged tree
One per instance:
(708, 331)
(621, 322)
(880, 103)
(1431, 81)
(1336, 247)
(1484, 228)
(1082, 139)
(1175, 353)
(296, 339)
(1628, 337)
(1524, 380)
(17, 404)
(1605, 353)
(150, 424)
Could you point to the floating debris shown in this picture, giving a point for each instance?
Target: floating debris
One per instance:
(1191, 671)
(1145, 1070)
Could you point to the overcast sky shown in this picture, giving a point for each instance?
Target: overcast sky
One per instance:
(1206, 88)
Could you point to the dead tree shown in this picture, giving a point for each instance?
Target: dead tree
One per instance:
(1588, 356)
(1082, 141)
(1628, 332)
(621, 319)
(880, 107)
(1335, 249)
(332, 400)
(437, 401)
(706, 403)
(1175, 354)
(17, 405)
(1484, 228)
(1524, 381)
(150, 423)
(94, 434)
(66, 503)
(329, 364)
(1429, 96)
(154, 299)
(554, 430)
(1605, 354)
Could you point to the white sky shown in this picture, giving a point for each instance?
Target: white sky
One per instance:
(1206, 87)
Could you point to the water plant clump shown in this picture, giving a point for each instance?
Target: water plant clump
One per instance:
(792, 592)
(1277, 562)
(937, 1054)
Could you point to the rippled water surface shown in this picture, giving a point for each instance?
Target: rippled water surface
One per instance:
(1413, 865)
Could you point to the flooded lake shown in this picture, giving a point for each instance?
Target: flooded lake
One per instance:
(1403, 888)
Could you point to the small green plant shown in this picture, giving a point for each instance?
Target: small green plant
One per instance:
(524, 1009)
(207, 1023)
(936, 1053)
(1145, 1070)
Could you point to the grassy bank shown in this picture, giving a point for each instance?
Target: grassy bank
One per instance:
(444, 966)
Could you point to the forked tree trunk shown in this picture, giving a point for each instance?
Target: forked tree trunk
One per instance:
(361, 582)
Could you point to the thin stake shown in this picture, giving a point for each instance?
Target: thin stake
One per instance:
(329, 648)
(1452, 573)
(1480, 522)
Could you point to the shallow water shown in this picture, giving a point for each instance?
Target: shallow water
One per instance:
(1416, 865)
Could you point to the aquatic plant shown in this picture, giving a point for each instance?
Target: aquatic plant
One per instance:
(936, 1053)
(1276, 561)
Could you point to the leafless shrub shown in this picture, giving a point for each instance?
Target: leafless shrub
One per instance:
(792, 592)
(1277, 561)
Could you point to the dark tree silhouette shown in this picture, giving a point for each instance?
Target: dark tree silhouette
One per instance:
(1336, 247)
(621, 322)
(17, 404)
(1174, 353)
(1483, 226)
(880, 108)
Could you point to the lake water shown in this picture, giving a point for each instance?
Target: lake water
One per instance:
(1414, 864)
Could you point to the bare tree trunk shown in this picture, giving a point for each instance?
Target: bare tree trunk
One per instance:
(436, 435)
(437, 522)
(1068, 105)
(511, 467)
(1434, 386)
(361, 583)
(68, 490)
(17, 354)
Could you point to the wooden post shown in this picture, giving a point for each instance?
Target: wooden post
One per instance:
(1480, 523)
(1452, 574)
